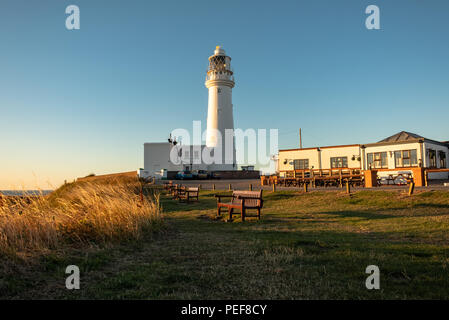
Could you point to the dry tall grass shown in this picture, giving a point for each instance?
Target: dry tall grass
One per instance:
(78, 213)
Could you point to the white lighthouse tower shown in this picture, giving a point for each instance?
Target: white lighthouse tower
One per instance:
(220, 81)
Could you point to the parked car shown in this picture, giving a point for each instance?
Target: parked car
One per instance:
(182, 175)
(200, 174)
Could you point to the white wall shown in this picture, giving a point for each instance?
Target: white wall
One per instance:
(157, 157)
(319, 159)
(311, 154)
(219, 114)
(192, 157)
(347, 151)
(390, 149)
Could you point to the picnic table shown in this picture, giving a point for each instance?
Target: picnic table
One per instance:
(400, 178)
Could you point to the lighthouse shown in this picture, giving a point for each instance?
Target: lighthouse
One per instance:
(219, 82)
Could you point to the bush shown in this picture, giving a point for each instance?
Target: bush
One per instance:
(77, 213)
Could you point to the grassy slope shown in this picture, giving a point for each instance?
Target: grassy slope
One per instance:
(307, 246)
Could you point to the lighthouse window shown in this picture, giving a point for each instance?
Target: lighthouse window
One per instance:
(218, 63)
(219, 90)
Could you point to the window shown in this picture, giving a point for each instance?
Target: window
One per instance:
(339, 162)
(300, 164)
(442, 156)
(405, 158)
(186, 154)
(432, 158)
(196, 154)
(377, 160)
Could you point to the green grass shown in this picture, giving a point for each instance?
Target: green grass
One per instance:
(307, 246)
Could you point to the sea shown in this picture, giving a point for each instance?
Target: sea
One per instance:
(25, 192)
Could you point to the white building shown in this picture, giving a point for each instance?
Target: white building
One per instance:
(343, 156)
(167, 156)
(399, 152)
(406, 150)
(157, 158)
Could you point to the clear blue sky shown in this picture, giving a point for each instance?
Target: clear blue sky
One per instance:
(76, 102)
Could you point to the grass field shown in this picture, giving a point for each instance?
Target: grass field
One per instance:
(307, 246)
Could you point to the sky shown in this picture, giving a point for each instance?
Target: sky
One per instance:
(75, 102)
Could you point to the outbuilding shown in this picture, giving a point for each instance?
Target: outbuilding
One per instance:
(400, 152)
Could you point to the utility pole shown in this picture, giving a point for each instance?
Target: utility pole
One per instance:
(300, 139)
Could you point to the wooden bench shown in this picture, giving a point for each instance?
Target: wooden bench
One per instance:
(188, 194)
(241, 200)
(168, 185)
(175, 190)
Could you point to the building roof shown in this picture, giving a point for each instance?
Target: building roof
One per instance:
(319, 148)
(398, 138)
(402, 136)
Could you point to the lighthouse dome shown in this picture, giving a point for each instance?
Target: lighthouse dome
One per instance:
(219, 51)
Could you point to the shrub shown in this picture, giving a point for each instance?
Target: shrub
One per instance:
(77, 213)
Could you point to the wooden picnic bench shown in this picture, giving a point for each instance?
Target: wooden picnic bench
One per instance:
(241, 200)
(168, 185)
(188, 194)
(401, 178)
(175, 190)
